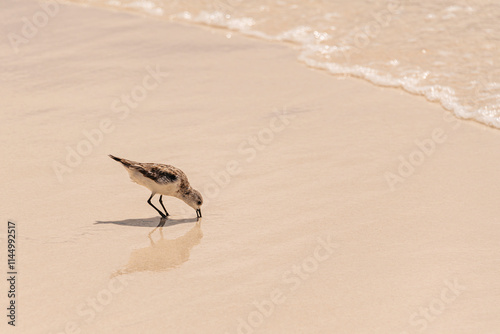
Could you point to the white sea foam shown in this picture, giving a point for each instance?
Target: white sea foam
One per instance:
(447, 51)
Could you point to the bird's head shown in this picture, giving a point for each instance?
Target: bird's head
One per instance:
(194, 199)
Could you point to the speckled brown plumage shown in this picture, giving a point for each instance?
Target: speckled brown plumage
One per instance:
(164, 180)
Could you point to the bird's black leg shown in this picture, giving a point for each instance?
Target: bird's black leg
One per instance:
(149, 201)
(161, 202)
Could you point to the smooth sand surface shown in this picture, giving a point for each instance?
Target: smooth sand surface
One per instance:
(303, 223)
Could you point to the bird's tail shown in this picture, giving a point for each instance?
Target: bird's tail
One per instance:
(125, 162)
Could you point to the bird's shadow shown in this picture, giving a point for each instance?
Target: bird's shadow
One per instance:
(162, 254)
(149, 222)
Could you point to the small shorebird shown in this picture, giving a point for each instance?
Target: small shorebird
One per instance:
(164, 180)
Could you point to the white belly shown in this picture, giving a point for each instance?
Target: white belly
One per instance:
(169, 189)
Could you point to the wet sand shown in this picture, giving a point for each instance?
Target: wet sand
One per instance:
(332, 205)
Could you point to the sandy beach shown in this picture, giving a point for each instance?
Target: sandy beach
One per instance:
(331, 205)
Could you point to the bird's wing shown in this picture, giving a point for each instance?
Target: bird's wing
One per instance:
(159, 173)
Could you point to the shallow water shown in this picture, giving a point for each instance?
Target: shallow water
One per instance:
(446, 51)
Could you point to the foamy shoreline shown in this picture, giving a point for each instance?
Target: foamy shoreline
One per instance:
(444, 51)
(309, 234)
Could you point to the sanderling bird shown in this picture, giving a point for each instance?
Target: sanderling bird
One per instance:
(164, 180)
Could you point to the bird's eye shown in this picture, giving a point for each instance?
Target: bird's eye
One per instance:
(199, 202)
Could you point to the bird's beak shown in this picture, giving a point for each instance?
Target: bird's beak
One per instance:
(198, 213)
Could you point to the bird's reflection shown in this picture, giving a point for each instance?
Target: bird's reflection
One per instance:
(163, 254)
